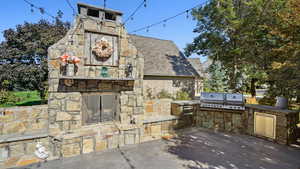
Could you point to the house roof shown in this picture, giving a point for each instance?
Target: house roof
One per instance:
(206, 64)
(162, 57)
(196, 63)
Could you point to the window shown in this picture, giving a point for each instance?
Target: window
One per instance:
(92, 12)
(110, 16)
(100, 107)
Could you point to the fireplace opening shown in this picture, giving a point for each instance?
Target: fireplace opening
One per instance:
(100, 107)
(93, 13)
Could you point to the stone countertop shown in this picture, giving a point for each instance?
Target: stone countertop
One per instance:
(270, 108)
(25, 136)
(186, 102)
(155, 119)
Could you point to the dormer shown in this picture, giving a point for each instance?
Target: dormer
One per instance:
(102, 14)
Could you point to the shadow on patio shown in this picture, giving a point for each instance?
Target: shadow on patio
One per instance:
(201, 148)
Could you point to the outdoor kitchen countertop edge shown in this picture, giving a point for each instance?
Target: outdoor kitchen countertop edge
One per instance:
(270, 108)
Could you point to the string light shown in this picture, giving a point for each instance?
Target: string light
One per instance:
(187, 14)
(31, 9)
(135, 11)
(42, 10)
(169, 18)
(164, 25)
(70, 5)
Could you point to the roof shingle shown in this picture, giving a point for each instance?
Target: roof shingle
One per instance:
(162, 57)
(196, 63)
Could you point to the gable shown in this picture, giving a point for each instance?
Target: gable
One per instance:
(162, 57)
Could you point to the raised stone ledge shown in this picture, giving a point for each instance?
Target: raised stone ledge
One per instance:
(156, 119)
(22, 137)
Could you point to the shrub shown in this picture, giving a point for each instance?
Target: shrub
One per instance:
(7, 97)
(182, 95)
(149, 94)
(267, 100)
(164, 94)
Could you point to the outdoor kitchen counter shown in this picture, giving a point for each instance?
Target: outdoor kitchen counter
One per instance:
(281, 123)
(270, 108)
(186, 102)
(183, 107)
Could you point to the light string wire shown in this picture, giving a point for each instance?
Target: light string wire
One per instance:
(163, 21)
(143, 3)
(42, 10)
(71, 6)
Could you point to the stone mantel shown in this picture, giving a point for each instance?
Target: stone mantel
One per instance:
(96, 78)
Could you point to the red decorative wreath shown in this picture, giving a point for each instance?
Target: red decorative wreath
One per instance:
(102, 49)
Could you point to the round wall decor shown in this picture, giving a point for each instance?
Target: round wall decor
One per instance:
(102, 49)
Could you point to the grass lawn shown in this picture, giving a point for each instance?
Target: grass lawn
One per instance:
(25, 98)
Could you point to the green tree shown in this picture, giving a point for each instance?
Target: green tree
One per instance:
(217, 81)
(285, 73)
(29, 41)
(234, 33)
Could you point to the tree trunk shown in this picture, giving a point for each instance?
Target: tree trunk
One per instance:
(42, 95)
(298, 96)
(252, 87)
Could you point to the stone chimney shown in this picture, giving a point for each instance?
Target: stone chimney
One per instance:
(102, 14)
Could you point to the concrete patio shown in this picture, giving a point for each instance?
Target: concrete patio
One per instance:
(195, 149)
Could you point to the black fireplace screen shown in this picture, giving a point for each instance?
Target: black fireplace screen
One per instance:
(100, 107)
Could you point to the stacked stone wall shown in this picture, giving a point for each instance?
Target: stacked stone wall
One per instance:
(23, 120)
(21, 129)
(157, 107)
(221, 120)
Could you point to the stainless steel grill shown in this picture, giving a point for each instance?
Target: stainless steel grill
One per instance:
(233, 101)
(234, 98)
(212, 97)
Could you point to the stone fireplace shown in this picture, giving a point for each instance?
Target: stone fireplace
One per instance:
(100, 96)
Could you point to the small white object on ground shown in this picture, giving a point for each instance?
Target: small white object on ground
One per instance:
(41, 152)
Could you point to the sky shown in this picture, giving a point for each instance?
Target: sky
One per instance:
(179, 30)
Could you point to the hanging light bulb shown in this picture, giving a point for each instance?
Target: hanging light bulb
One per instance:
(31, 8)
(145, 3)
(147, 29)
(131, 18)
(42, 11)
(164, 24)
(187, 14)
